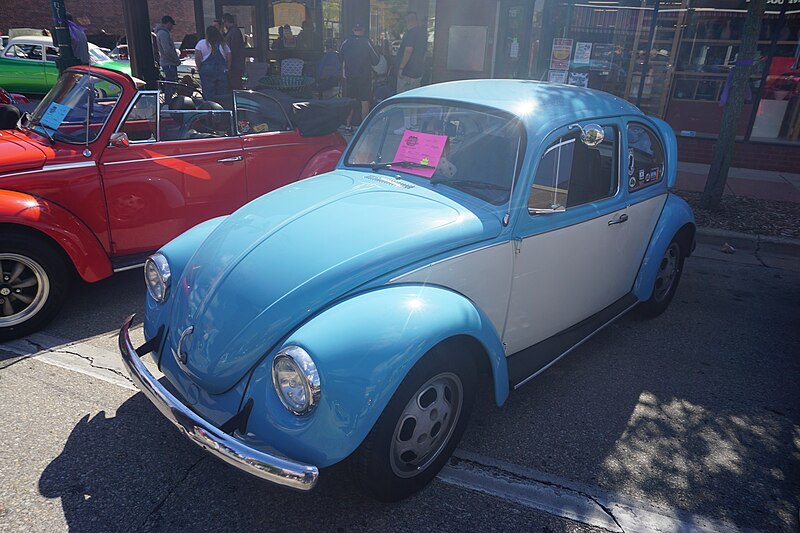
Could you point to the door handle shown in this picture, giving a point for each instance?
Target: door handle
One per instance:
(622, 218)
(229, 159)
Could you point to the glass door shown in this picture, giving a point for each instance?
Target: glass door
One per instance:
(513, 39)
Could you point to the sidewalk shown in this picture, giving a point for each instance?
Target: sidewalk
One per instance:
(750, 183)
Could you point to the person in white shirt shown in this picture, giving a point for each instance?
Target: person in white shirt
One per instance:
(213, 59)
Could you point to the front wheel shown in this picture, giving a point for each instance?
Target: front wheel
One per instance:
(667, 278)
(419, 429)
(33, 283)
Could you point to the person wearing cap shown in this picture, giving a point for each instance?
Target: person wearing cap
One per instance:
(168, 56)
(358, 56)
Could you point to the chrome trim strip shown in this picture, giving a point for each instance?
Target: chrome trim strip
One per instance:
(65, 166)
(589, 336)
(247, 148)
(397, 278)
(271, 468)
(131, 267)
(171, 157)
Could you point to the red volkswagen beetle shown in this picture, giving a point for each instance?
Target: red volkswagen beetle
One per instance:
(105, 172)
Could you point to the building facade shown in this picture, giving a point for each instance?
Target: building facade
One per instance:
(672, 58)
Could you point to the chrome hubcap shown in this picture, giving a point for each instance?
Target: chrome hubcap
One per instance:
(426, 424)
(24, 288)
(667, 272)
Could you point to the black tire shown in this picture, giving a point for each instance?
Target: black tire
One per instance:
(377, 466)
(34, 280)
(669, 275)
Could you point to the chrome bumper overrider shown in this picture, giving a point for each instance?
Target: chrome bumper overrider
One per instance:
(269, 467)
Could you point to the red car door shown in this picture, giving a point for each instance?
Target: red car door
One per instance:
(179, 169)
(275, 154)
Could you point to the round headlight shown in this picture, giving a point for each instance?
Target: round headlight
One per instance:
(157, 276)
(296, 380)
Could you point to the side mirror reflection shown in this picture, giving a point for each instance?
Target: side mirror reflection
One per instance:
(591, 134)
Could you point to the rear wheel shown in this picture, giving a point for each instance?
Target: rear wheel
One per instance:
(33, 283)
(419, 429)
(667, 278)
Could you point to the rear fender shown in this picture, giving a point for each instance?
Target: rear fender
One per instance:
(322, 162)
(676, 219)
(363, 348)
(22, 210)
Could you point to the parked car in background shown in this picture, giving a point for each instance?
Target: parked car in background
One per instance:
(103, 174)
(12, 98)
(352, 315)
(28, 64)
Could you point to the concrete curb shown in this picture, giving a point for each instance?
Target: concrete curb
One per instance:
(727, 234)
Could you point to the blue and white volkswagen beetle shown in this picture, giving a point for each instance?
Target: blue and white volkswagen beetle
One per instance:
(475, 230)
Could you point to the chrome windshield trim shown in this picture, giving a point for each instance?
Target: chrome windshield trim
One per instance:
(271, 468)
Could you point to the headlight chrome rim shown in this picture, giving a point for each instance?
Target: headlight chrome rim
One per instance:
(162, 270)
(306, 370)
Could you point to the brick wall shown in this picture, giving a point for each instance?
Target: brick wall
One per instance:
(775, 157)
(95, 15)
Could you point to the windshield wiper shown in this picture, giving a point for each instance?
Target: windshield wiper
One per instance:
(37, 122)
(402, 164)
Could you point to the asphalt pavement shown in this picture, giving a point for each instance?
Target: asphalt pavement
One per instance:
(685, 422)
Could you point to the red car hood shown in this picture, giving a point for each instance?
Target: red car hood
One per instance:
(17, 155)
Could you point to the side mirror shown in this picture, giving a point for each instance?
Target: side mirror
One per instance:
(591, 135)
(119, 139)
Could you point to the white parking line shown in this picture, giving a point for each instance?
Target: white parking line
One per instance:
(514, 483)
(81, 357)
(560, 497)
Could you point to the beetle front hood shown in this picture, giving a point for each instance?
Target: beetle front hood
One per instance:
(17, 155)
(282, 257)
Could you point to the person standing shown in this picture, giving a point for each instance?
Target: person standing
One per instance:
(168, 56)
(411, 54)
(358, 56)
(235, 41)
(80, 45)
(213, 59)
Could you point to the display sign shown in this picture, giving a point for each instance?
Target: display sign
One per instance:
(557, 76)
(579, 79)
(602, 56)
(54, 116)
(560, 54)
(583, 53)
(422, 148)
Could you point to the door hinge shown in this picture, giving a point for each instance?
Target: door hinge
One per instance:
(517, 245)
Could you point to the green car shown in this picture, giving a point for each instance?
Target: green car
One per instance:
(24, 68)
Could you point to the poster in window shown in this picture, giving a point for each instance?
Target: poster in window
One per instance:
(579, 79)
(583, 53)
(560, 54)
(557, 76)
(602, 57)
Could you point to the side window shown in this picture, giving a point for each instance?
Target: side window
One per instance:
(257, 113)
(184, 124)
(52, 53)
(572, 173)
(24, 51)
(645, 158)
(140, 124)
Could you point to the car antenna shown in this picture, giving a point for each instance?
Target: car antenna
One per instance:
(89, 94)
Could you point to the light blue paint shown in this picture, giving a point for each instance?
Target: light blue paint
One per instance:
(363, 348)
(675, 215)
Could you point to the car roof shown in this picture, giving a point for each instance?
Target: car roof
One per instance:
(533, 101)
(38, 39)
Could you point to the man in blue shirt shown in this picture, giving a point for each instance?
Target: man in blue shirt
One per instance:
(358, 56)
(411, 55)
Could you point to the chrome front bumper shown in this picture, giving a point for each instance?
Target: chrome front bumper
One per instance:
(269, 467)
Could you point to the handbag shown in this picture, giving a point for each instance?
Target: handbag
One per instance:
(382, 67)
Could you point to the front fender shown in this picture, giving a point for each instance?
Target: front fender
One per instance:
(676, 217)
(78, 241)
(178, 251)
(363, 348)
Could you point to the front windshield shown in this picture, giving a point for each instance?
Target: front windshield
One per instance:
(474, 151)
(62, 113)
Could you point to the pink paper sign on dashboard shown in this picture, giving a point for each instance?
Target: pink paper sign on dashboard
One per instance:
(423, 148)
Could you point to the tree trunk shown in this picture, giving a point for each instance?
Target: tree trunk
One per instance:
(723, 149)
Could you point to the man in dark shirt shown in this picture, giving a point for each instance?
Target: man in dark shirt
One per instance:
(233, 36)
(411, 55)
(358, 56)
